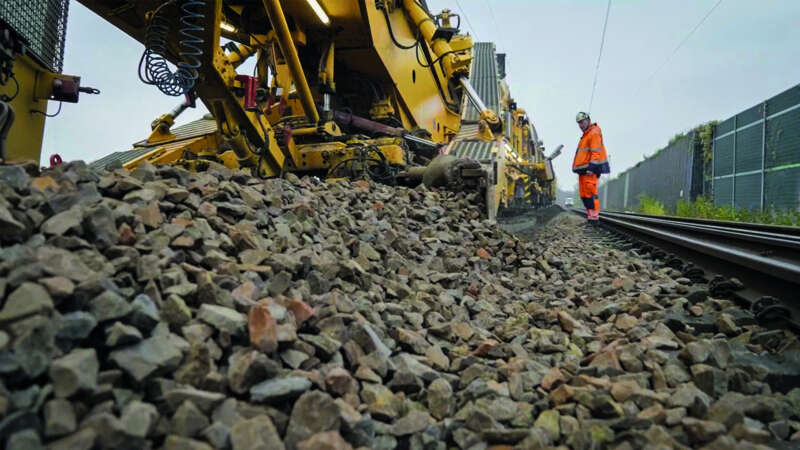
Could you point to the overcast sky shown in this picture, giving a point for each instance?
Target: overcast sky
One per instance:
(745, 52)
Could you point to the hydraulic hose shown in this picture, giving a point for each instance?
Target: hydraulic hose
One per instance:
(6, 120)
(153, 67)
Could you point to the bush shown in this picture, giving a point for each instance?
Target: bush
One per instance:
(704, 208)
(649, 205)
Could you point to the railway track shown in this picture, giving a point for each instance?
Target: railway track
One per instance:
(765, 258)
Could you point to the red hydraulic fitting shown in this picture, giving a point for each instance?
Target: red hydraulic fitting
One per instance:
(249, 84)
(55, 160)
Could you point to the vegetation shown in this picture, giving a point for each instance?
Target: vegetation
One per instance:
(704, 208)
(705, 134)
(649, 205)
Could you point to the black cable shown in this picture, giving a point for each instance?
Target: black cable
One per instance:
(599, 56)
(435, 61)
(391, 33)
(451, 106)
(6, 98)
(683, 41)
(49, 115)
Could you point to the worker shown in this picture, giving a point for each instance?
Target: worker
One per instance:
(590, 162)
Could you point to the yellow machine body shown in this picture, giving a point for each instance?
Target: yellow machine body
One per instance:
(340, 87)
(25, 136)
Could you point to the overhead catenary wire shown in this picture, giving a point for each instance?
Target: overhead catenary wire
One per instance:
(599, 57)
(678, 47)
(494, 19)
(466, 18)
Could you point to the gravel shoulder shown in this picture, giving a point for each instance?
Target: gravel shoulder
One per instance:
(165, 309)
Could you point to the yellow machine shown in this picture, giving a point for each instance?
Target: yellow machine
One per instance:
(31, 55)
(340, 88)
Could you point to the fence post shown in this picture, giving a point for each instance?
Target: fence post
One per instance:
(625, 193)
(733, 170)
(763, 152)
(713, 164)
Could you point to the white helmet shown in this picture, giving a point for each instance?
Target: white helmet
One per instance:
(581, 116)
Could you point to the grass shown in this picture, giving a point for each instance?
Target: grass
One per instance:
(704, 208)
(649, 205)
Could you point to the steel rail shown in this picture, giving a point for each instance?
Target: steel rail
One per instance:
(725, 247)
(766, 256)
(793, 231)
(744, 232)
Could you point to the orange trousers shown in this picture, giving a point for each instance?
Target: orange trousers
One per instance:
(587, 186)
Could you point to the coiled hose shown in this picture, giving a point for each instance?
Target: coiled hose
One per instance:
(153, 67)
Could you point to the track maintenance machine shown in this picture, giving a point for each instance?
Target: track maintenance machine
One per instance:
(339, 89)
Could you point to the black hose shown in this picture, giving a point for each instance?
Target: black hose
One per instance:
(153, 67)
(391, 33)
(6, 120)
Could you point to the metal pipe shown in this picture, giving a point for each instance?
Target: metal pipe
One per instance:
(473, 96)
(361, 123)
(420, 19)
(278, 21)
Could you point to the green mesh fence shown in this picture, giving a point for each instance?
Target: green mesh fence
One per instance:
(723, 155)
(756, 161)
(782, 189)
(723, 191)
(747, 191)
(43, 23)
(748, 149)
(783, 139)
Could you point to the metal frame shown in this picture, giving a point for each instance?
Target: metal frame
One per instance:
(43, 23)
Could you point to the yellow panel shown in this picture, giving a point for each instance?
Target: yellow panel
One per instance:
(25, 137)
(419, 95)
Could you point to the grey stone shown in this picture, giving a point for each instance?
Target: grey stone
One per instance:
(144, 313)
(139, 419)
(206, 401)
(24, 440)
(256, 433)
(109, 306)
(76, 371)
(701, 431)
(175, 442)
(76, 325)
(26, 300)
(223, 319)
(314, 412)
(60, 262)
(218, 434)
(279, 389)
(15, 177)
(412, 423)
(188, 420)
(368, 339)
(121, 334)
(248, 367)
(63, 222)
(9, 225)
(153, 355)
(59, 417)
(82, 440)
(110, 433)
(381, 402)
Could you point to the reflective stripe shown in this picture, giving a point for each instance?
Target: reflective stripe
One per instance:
(599, 162)
(596, 149)
(584, 166)
(583, 149)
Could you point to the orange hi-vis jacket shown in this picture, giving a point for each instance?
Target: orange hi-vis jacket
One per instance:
(591, 153)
